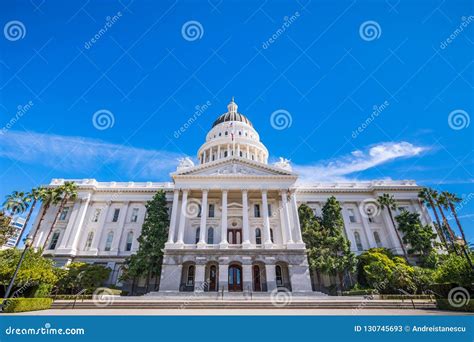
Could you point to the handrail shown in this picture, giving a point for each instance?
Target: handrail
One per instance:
(77, 295)
(409, 296)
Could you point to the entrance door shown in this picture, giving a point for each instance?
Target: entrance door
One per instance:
(235, 278)
(257, 284)
(213, 278)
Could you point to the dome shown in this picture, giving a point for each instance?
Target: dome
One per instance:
(232, 115)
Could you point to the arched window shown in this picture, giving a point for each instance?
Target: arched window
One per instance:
(226, 133)
(128, 246)
(358, 241)
(377, 239)
(88, 245)
(198, 232)
(225, 154)
(258, 236)
(108, 242)
(210, 236)
(271, 235)
(54, 240)
(278, 275)
(190, 279)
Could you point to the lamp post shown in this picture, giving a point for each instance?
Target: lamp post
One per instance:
(28, 242)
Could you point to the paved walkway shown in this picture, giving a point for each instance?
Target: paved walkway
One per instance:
(239, 312)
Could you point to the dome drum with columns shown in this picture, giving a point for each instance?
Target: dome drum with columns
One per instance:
(234, 224)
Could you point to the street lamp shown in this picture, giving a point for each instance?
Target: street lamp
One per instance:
(28, 242)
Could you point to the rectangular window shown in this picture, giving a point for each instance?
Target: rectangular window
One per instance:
(54, 241)
(352, 217)
(256, 210)
(211, 210)
(64, 213)
(116, 215)
(269, 210)
(134, 217)
(96, 215)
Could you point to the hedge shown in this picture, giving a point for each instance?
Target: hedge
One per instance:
(27, 304)
(443, 304)
(359, 292)
(397, 296)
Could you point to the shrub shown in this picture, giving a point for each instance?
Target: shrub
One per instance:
(444, 304)
(454, 269)
(27, 304)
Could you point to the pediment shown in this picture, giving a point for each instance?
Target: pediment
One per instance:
(234, 167)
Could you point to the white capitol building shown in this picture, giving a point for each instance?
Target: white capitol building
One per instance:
(233, 221)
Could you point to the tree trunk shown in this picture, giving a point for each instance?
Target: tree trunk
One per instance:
(133, 286)
(61, 206)
(43, 214)
(466, 254)
(450, 232)
(26, 223)
(147, 281)
(398, 234)
(439, 229)
(341, 281)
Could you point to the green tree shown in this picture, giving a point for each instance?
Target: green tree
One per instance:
(16, 203)
(454, 269)
(82, 276)
(419, 237)
(440, 202)
(387, 201)
(35, 268)
(149, 257)
(49, 196)
(66, 192)
(6, 229)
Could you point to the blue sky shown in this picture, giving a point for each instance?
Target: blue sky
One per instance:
(325, 66)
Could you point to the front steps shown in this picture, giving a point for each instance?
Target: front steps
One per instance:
(202, 304)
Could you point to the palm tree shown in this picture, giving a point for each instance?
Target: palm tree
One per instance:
(16, 203)
(67, 191)
(426, 197)
(451, 199)
(48, 196)
(387, 201)
(441, 203)
(33, 196)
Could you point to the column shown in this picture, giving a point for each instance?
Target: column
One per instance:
(224, 242)
(218, 151)
(223, 275)
(199, 277)
(286, 224)
(228, 150)
(174, 215)
(238, 150)
(204, 156)
(270, 276)
(390, 229)
(182, 218)
(104, 212)
(70, 226)
(202, 227)
(296, 219)
(266, 221)
(248, 151)
(245, 220)
(120, 228)
(366, 225)
(79, 222)
(247, 278)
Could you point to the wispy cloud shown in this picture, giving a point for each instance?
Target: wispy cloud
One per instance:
(79, 154)
(340, 168)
